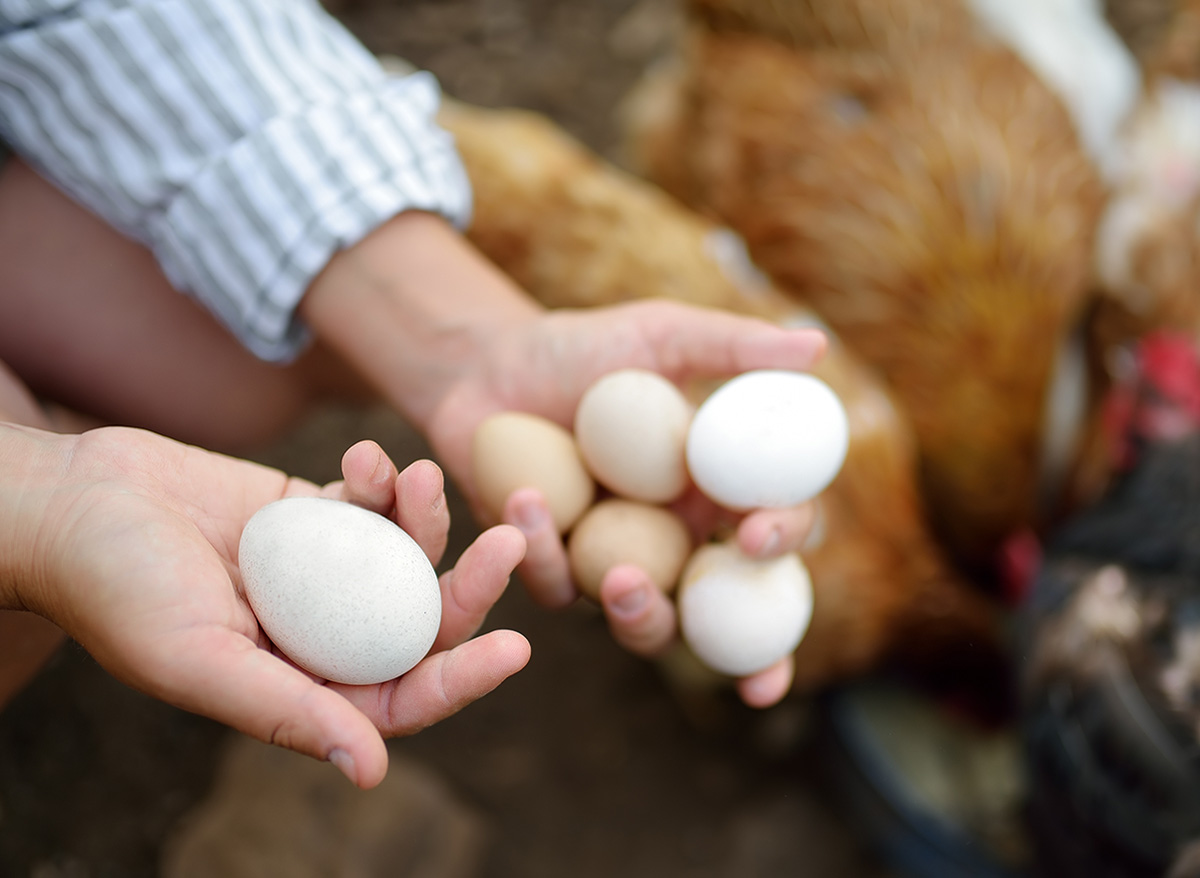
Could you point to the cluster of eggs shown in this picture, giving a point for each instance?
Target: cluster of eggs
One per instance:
(349, 596)
(765, 438)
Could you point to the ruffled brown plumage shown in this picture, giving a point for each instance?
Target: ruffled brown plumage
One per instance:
(576, 230)
(933, 205)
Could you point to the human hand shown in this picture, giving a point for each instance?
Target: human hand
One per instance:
(128, 541)
(449, 339)
(545, 366)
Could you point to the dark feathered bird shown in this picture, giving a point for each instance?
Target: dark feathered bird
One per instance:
(1111, 677)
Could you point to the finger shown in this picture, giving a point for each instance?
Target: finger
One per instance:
(421, 510)
(696, 341)
(369, 477)
(472, 588)
(641, 618)
(768, 687)
(544, 570)
(442, 684)
(768, 533)
(705, 519)
(222, 675)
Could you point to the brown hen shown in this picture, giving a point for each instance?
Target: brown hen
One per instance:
(575, 230)
(929, 198)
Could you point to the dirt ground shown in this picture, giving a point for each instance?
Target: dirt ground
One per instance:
(585, 764)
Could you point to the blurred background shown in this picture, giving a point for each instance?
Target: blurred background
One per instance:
(995, 211)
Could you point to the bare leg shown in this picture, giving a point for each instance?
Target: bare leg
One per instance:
(88, 320)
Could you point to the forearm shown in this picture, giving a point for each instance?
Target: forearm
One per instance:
(414, 307)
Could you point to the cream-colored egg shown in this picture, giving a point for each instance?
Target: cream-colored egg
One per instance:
(767, 438)
(343, 592)
(512, 450)
(740, 615)
(631, 426)
(617, 531)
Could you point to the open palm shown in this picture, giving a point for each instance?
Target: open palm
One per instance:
(545, 369)
(139, 565)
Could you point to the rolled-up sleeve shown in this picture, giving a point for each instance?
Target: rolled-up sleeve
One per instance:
(243, 142)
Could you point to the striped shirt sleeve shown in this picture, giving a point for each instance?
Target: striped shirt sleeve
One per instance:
(243, 141)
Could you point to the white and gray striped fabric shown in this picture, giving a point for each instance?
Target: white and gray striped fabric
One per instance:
(243, 141)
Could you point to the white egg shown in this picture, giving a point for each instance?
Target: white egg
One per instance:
(767, 438)
(343, 592)
(740, 615)
(631, 427)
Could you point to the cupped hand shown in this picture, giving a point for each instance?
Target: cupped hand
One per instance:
(545, 365)
(135, 542)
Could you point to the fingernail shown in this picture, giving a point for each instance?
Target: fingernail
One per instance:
(381, 473)
(343, 761)
(632, 601)
(531, 517)
(771, 544)
(757, 693)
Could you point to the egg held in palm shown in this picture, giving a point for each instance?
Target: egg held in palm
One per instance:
(631, 426)
(617, 531)
(767, 439)
(343, 592)
(512, 450)
(740, 615)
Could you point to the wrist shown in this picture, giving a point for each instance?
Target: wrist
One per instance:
(31, 460)
(415, 309)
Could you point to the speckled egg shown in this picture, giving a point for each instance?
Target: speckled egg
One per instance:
(342, 591)
(740, 615)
